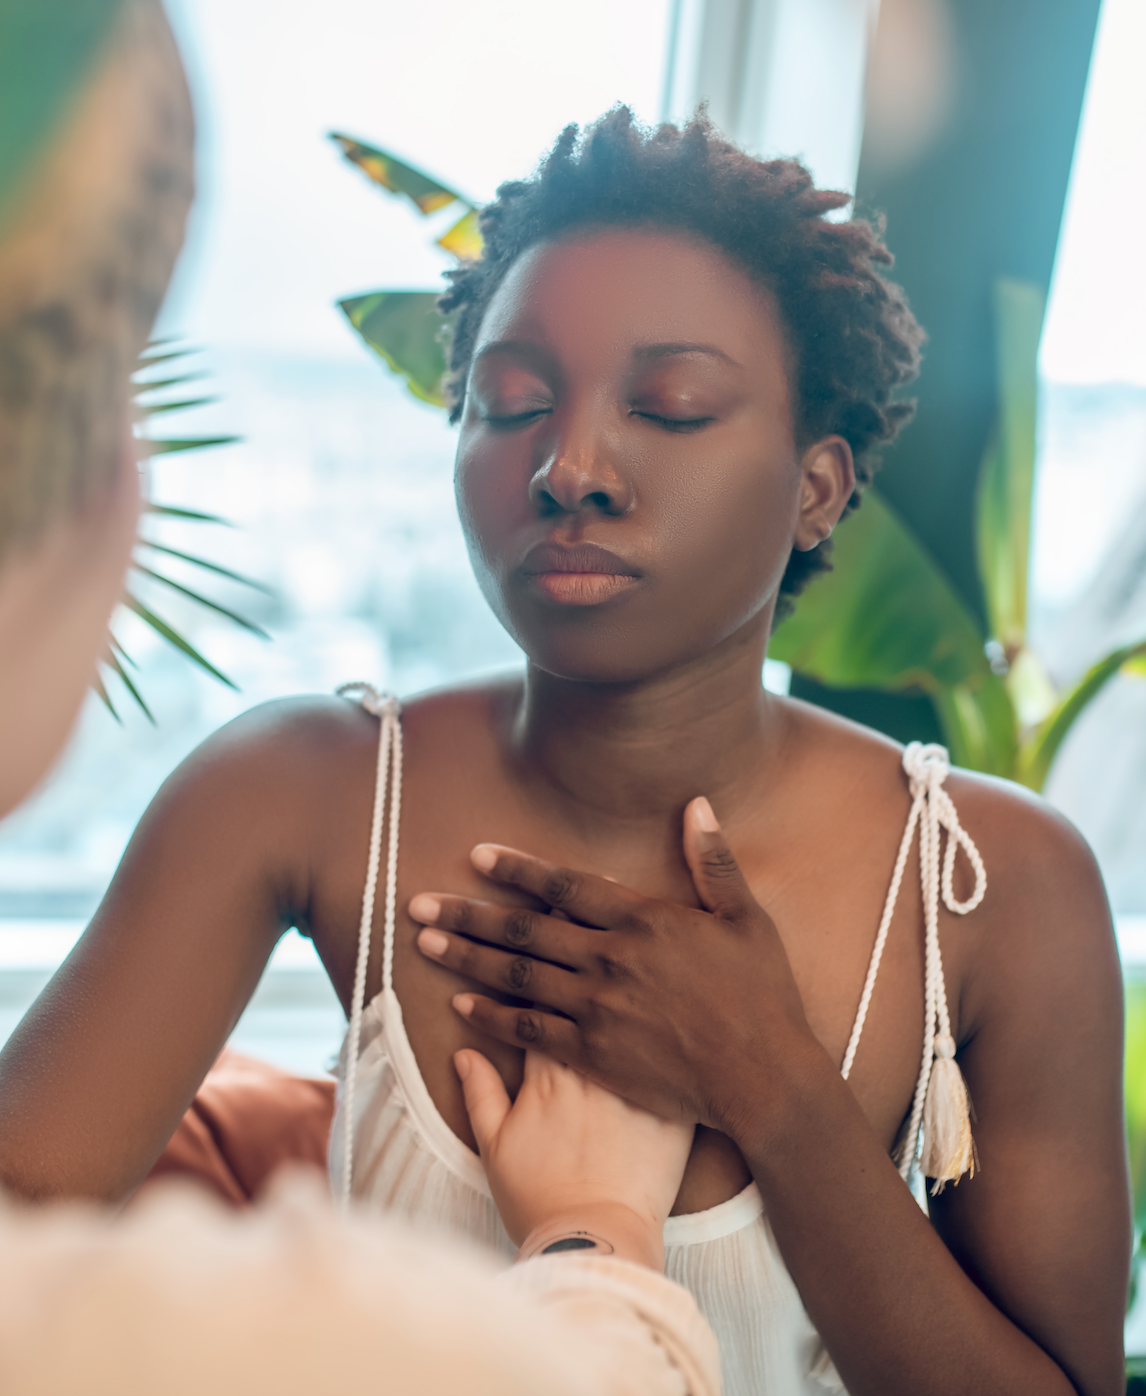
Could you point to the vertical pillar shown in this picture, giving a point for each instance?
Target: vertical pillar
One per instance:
(781, 77)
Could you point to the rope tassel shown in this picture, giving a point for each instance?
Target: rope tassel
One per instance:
(948, 1148)
(939, 1140)
(938, 1136)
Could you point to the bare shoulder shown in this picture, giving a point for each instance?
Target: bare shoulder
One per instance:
(317, 745)
(1045, 903)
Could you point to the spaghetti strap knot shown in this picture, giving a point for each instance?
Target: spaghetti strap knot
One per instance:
(926, 767)
(938, 1137)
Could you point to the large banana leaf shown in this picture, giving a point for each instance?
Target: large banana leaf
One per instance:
(1006, 481)
(423, 192)
(405, 328)
(884, 617)
(979, 727)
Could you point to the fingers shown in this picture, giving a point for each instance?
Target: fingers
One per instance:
(487, 1101)
(520, 975)
(523, 1027)
(716, 874)
(517, 927)
(594, 901)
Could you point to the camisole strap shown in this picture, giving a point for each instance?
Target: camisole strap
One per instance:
(926, 768)
(389, 777)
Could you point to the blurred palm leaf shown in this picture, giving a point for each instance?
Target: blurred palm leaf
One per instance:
(464, 239)
(424, 193)
(116, 658)
(404, 327)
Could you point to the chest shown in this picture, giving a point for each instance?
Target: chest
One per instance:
(825, 894)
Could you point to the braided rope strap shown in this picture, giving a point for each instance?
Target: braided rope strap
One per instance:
(388, 778)
(938, 1140)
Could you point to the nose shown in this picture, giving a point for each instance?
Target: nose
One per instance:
(578, 473)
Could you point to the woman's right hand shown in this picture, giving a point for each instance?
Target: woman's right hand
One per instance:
(570, 1157)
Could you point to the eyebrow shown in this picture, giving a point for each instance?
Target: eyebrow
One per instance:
(642, 353)
(668, 351)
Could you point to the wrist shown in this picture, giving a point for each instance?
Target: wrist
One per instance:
(761, 1123)
(601, 1229)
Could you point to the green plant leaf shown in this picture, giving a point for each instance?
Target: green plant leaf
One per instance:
(1006, 478)
(98, 685)
(464, 239)
(979, 728)
(147, 446)
(207, 566)
(201, 600)
(1136, 1093)
(112, 660)
(1039, 751)
(884, 617)
(148, 359)
(156, 408)
(48, 52)
(384, 169)
(405, 328)
(148, 616)
(154, 385)
(170, 511)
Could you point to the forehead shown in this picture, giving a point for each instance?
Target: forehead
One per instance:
(603, 292)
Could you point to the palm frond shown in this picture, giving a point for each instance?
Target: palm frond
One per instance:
(148, 446)
(201, 600)
(160, 626)
(117, 660)
(169, 511)
(202, 562)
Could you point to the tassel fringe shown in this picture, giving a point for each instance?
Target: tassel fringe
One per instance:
(948, 1148)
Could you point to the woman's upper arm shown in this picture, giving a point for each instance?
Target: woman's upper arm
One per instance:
(1044, 1225)
(96, 1077)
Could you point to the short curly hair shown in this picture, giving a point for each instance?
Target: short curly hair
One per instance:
(853, 338)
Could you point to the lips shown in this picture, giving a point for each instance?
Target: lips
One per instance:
(582, 574)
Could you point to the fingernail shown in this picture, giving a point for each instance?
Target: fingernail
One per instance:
(425, 908)
(464, 1003)
(433, 943)
(705, 819)
(462, 1065)
(484, 857)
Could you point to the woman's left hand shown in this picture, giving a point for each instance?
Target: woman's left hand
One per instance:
(667, 1005)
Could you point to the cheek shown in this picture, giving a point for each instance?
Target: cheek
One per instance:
(727, 527)
(492, 500)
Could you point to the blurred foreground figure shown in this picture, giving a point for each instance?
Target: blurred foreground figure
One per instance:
(181, 1296)
(90, 226)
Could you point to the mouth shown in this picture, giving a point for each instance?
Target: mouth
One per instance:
(582, 574)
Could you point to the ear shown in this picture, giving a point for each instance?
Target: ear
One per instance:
(828, 477)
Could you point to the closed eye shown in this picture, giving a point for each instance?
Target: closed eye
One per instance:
(517, 419)
(678, 424)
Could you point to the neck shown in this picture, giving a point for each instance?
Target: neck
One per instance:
(617, 757)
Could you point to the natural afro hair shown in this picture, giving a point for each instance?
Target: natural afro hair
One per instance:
(853, 339)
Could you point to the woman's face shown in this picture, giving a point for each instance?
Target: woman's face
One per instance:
(627, 473)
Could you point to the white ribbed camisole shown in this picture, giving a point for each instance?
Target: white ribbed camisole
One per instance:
(391, 1147)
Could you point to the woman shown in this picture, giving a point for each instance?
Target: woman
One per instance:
(671, 374)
